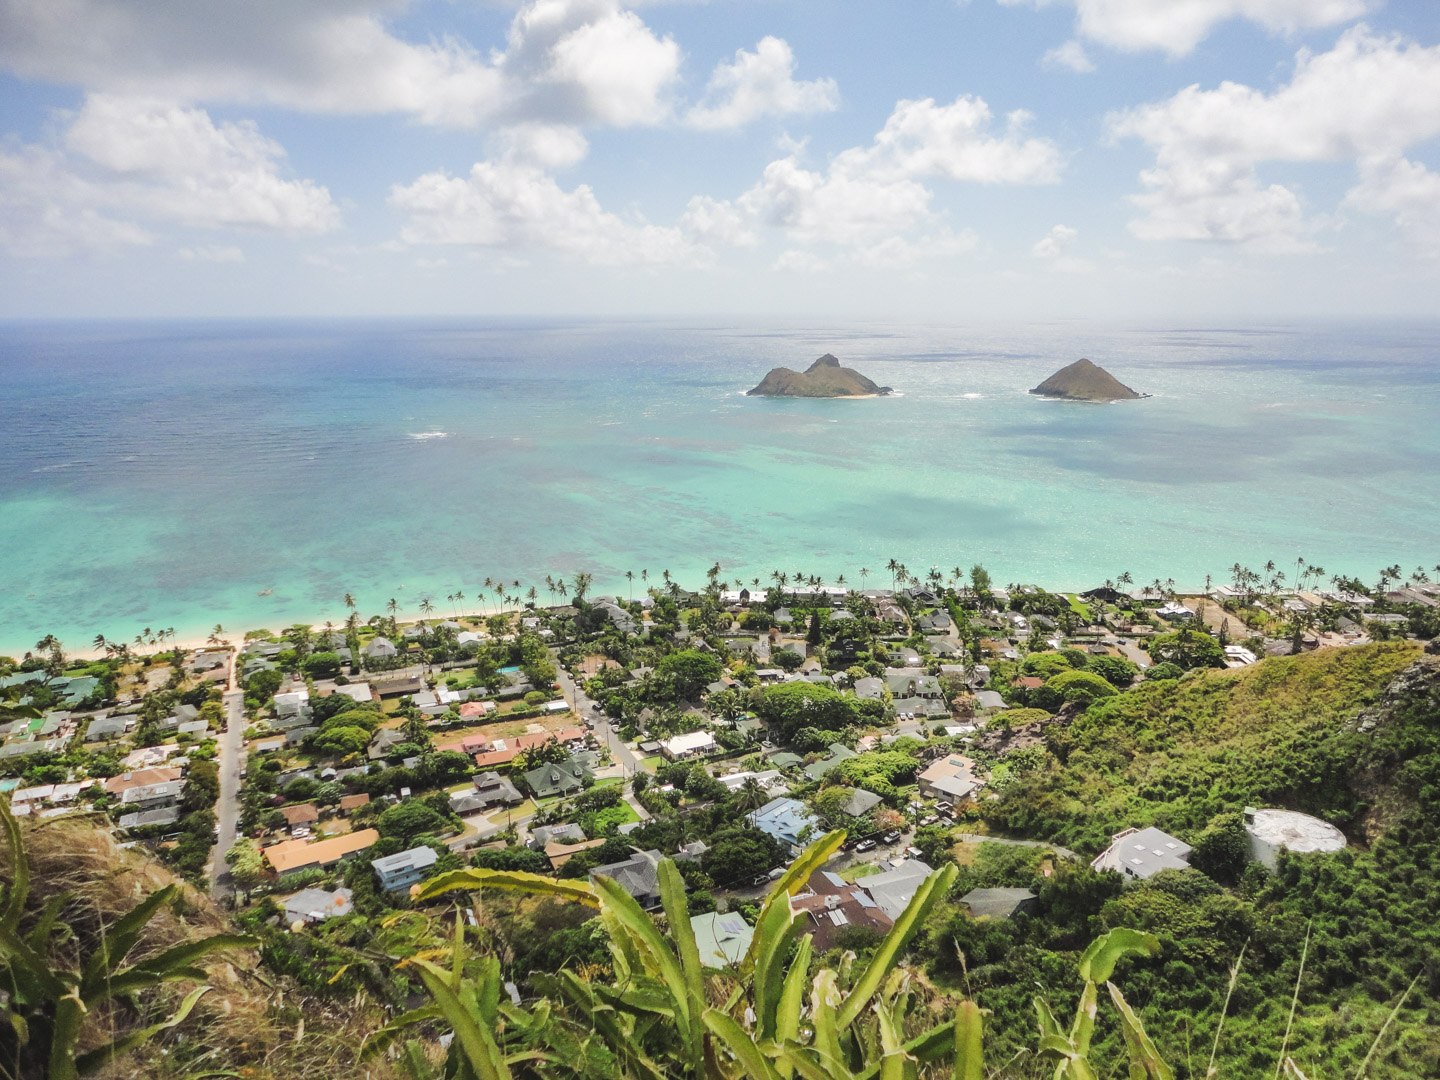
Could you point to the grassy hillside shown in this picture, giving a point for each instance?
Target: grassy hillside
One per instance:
(1351, 735)
(1175, 753)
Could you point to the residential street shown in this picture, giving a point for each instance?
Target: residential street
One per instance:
(227, 806)
(619, 752)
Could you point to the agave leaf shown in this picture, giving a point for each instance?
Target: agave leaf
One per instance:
(30, 973)
(89, 1063)
(806, 1062)
(1084, 1026)
(809, 860)
(929, 1046)
(672, 897)
(116, 944)
(1143, 1054)
(1098, 961)
(382, 1038)
(824, 999)
(931, 889)
(755, 1064)
(1048, 1024)
(969, 1043)
(39, 936)
(510, 880)
(172, 965)
(773, 932)
(416, 1065)
(475, 1042)
(792, 1001)
(19, 889)
(65, 1033)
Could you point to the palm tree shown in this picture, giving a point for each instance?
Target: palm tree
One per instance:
(864, 573)
(751, 796)
(894, 567)
(217, 635)
(426, 607)
(582, 584)
(99, 643)
(630, 578)
(350, 601)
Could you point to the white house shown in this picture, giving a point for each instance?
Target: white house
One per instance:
(688, 745)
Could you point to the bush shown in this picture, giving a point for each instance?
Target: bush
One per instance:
(321, 665)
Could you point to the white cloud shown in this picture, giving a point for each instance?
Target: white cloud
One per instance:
(1177, 26)
(760, 83)
(212, 253)
(869, 194)
(1368, 97)
(1053, 245)
(1068, 57)
(566, 61)
(509, 204)
(710, 221)
(1406, 191)
(130, 161)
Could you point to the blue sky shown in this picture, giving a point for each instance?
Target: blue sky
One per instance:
(1130, 159)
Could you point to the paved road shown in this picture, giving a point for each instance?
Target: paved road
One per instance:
(227, 807)
(581, 703)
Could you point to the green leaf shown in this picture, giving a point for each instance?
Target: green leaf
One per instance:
(19, 888)
(91, 1062)
(416, 1065)
(672, 898)
(1143, 1054)
(1084, 1026)
(1098, 961)
(792, 1000)
(825, 998)
(382, 1038)
(931, 889)
(476, 1044)
(172, 965)
(65, 1033)
(932, 1045)
(121, 938)
(773, 932)
(511, 881)
(807, 862)
(755, 1064)
(969, 1043)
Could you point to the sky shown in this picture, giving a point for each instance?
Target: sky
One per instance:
(943, 160)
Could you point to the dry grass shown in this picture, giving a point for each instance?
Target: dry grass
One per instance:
(250, 1022)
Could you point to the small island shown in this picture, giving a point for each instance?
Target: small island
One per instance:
(825, 378)
(1085, 381)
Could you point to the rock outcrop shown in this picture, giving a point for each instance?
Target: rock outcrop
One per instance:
(1084, 381)
(825, 378)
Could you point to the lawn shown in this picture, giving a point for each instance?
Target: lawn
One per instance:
(650, 764)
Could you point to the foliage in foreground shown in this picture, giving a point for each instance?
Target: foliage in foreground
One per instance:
(663, 1015)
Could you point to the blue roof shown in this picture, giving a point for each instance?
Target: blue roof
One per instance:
(783, 819)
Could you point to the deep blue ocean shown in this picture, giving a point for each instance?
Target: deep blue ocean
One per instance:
(166, 474)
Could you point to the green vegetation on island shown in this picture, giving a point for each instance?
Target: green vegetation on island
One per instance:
(1085, 381)
(825, 378)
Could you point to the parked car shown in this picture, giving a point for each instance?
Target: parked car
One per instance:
(776, 874)
(865, 845)
(760, 879)
(891, 837)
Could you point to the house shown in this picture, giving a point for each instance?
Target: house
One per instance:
(559, 854)
(784, 759)
(555, 834)
(1237, 656)
(638, 875)
(1174, 612)
(350, 803)
(721, 939)
(691, 744)
(384, 743)
(950, 779)
(403, 869)
(615, 615)
(293, 703)
(838, 752)
(893, 889)
(168, 815)
(193, 728)
(989, 699)
(770, 778)
(494, 788)
(504, 751)
(787, 820)
(296, 736)
(300, 814)
(870, 688)
(860, 803)
(830, 904)
(557, 778)
(358, 692)
(1000, 903)
(153, 796)
(1143, 853)
(1027, 682)
(317, 905)
(294, 855)
(123, 782)
(379, 648)
(268, 746)
(469, 640)
(106, 728)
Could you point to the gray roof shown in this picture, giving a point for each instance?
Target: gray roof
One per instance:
(996, 903)
(416, 857)
(637, 875)
(165, 816)
(861, 802)
(1144, 853)
(168, 789)
(562, 834)
(895, 888)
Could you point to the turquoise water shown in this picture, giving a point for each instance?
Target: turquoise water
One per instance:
(165, 474)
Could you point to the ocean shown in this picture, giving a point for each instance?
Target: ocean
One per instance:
(182, 474)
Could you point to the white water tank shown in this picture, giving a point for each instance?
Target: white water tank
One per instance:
(1271, 830)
